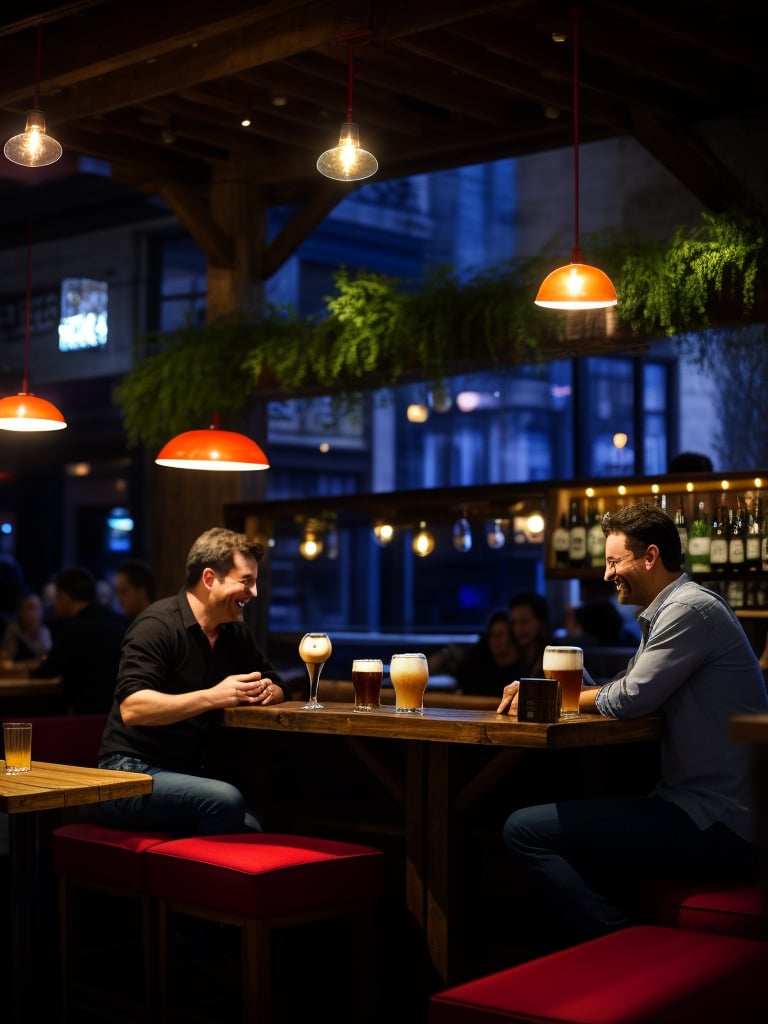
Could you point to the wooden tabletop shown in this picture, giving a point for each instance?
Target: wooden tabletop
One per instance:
(750, 728)
(59, 785)
(23, 686)
(444, 725)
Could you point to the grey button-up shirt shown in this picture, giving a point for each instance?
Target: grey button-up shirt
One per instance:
(695, 667)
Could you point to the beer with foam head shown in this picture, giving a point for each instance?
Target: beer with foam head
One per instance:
(409, 675)
(566, 664)
(366, 680)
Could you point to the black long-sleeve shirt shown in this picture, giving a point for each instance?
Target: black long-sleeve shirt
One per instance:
(165, 649)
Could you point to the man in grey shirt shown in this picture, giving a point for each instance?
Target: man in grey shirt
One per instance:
(695, 668)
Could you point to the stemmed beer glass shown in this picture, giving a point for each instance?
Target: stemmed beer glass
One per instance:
(314, 650)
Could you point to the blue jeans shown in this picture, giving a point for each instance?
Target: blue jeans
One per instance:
(585, 857)
(184, 805)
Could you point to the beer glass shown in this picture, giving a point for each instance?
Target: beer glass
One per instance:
(366, 680)
(409, 675)
(314, 650)
(566, 664)
(18, 747)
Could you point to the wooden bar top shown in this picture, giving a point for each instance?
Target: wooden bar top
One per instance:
(48, 786)
(444, 725)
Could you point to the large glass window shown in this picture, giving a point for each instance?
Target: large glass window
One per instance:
(178, 270)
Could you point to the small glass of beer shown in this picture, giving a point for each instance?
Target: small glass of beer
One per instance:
(566, 664)
(366, 680)
(409, 675)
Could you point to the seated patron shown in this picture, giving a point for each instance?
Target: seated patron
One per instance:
(696, 669)
(184, 659)
(489, 664)
(529, 619)
(26, 639)
(135, 586)
(86, 645)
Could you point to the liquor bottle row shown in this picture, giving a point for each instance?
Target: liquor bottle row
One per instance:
(728, 538)
(741, 593)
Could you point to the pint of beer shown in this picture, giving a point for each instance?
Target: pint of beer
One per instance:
(409, 674)
(567, 665)
(366, 680)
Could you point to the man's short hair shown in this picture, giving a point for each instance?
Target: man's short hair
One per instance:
(643, 525)
(530, 599)
(77, 582)
(215, 549)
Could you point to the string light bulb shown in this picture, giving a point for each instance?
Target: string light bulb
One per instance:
(423, 542)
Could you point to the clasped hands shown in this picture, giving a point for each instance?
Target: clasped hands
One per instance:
(253, 688)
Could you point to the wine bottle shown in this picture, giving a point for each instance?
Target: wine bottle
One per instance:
(596, 541)
(736, 551)
(682, 530)
(561, 543)
(718, 548)
(699, 540)
(577, 537)
(753, 540)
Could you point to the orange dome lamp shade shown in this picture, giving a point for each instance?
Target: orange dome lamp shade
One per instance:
(576, 285)
(212, 450)
(25, 412)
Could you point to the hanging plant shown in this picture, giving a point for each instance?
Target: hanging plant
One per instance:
(378, 328)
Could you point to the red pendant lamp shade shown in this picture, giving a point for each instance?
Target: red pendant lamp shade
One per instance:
(212, 449)
(577, 285)
(26, 412)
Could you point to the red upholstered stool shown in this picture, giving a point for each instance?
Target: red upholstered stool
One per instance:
(110, 862)
(260, 883)
(642, 975)
(727, 908)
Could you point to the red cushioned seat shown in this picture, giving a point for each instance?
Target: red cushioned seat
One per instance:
(262, 882)
(110, 862)
(261, 875)
(642, 975)
(91, 854)
(727, 908)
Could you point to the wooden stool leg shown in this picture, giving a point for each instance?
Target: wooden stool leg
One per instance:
(256, 953)
(366, 939)
(164, 958)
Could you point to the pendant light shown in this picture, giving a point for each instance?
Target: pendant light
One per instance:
(347, 161)
(212, 449)
(25, 411)
(34, 147)
(577, 285)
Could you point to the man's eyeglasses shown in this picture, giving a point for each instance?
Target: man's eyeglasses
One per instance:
(611, 563)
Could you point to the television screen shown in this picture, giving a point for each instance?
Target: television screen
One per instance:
(83, 321)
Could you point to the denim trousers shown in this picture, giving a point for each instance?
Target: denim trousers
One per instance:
(183, 805)
(588, 858)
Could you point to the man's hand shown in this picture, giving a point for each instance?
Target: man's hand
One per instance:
(251, 688)
(509, 699)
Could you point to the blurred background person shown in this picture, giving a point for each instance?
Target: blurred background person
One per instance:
(135, 586)
(529, 618)
(86, 645)
(26, 639)
(489, 664)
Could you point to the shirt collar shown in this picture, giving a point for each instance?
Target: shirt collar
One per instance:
(647, 615)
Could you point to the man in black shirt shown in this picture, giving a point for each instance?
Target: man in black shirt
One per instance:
(86, 645)
(184, 659)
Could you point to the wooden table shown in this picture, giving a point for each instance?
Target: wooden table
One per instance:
(425, 795)
(23, 797)
(23, 686)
